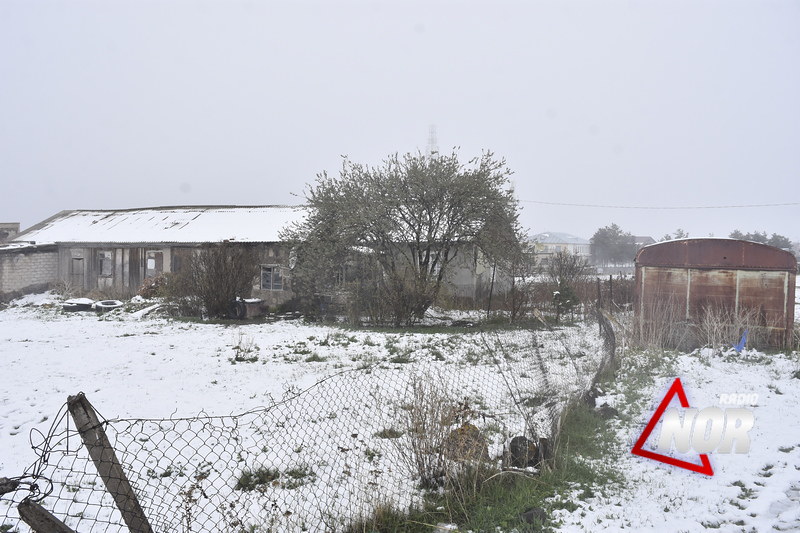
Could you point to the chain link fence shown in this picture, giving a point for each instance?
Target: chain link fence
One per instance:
(316, 459)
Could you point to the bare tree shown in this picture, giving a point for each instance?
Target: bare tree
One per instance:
(565, 271)
(410, 216)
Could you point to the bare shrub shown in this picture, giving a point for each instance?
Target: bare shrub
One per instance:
(216, 276)
(566, 271)
(65, 288)
(440, 447)
(720, 327)
(426, 417)
(519, 297)
(662, 324)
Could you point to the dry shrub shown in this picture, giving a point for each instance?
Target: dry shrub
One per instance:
(66, 289)
(153, 287)
(662, 324)
(111, 293)
(720, 327)
(426, 417)
(441, 448)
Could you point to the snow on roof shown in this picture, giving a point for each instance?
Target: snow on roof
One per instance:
(189, 224)
(14, 246)
(553, 237)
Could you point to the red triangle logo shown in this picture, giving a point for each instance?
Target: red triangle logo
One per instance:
(638, 448)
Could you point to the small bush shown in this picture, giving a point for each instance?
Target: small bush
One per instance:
(252, 479)
(153, 287)
(389, 433)
(298, 476)
(215, 277)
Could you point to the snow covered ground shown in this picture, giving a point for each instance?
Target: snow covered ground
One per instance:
(138, 367)
(156, 368)
(756, 491)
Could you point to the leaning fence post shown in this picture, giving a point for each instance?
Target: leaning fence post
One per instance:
(107, 464)
(611, 293)
(40, 519)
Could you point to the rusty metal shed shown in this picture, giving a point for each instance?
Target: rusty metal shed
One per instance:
(695, 275)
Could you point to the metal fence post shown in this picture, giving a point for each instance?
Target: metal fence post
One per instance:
(40, 518)
(107, 464)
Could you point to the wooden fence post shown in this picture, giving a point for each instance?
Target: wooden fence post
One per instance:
(611, 293)
(599, 306)
(40, 518)
(107, 464)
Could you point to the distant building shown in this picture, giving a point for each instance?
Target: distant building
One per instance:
(547, 244)
(118, 249)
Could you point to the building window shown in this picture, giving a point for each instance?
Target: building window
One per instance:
(154, 264)
(271, 279)
(105, 263)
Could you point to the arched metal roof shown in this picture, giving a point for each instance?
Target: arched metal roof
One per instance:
(716, 253)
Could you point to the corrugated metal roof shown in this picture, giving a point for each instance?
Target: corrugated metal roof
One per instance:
(183, 224)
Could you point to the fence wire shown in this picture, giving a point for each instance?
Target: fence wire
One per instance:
(320, 458)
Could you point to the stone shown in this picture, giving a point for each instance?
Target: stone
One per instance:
(523, 452)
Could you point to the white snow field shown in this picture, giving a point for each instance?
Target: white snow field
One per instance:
(293, 460)
(755, 491)
(155, 368)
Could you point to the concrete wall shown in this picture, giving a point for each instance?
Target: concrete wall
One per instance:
(27, 270)
(470, 276)
(8, 230)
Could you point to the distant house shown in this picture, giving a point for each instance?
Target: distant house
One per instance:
(643, 240)
(547, 244)
(118, 249)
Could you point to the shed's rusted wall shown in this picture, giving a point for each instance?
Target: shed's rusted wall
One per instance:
(691, 276)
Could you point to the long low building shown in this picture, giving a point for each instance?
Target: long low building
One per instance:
(118, 249)
(114, 251)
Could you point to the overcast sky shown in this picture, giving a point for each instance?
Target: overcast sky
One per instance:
(626, 103)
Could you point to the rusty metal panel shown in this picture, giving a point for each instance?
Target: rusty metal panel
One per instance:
(716, 253)
(711, 288)
(657, 288)
(766, 293)
(763, 290)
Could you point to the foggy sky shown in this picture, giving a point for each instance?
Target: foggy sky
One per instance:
(626, 103)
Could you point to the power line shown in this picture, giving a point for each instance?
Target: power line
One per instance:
(652, 207)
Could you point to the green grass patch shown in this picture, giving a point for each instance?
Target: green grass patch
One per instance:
(483, 500)
(251, 479)
(389, 433)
